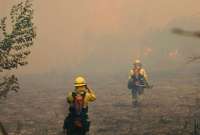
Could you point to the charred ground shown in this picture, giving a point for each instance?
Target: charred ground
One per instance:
(170, 108)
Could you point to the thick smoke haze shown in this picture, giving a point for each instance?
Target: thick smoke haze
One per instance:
(103, 36)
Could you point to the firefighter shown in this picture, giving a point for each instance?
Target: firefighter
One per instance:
(138, 80)
(77, 122)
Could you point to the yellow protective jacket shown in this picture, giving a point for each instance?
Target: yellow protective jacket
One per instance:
(89, 97)
(142, 72)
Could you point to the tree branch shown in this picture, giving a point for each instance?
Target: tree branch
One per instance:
(2, 129)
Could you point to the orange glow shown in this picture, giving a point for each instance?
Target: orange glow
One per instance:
(147, 51)
(173, 54)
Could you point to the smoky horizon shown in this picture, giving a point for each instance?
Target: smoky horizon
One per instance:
(107, 36)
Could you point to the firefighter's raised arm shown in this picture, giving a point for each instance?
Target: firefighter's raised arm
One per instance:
(90, 95)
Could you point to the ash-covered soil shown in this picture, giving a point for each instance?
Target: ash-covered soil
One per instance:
(168, 109)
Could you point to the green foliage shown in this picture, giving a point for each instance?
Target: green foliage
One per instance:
(15, 45)
(8, 84)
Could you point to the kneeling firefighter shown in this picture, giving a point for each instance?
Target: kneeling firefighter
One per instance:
(138, 80)
(77, 122)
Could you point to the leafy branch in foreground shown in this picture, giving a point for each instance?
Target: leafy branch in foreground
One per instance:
(15, 44)
(8, 84)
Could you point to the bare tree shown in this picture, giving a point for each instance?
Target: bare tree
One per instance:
(195, 34)
(186, 33)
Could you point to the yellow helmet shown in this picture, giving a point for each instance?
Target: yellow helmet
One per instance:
(137, 62)
(79, 81)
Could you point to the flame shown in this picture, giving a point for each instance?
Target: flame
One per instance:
(148, 51)
(173, 54)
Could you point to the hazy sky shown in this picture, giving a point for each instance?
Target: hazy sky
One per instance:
(106, 35)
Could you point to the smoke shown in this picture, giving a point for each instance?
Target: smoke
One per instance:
(106, 36)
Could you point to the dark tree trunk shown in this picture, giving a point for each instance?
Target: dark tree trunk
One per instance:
(2, 129)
